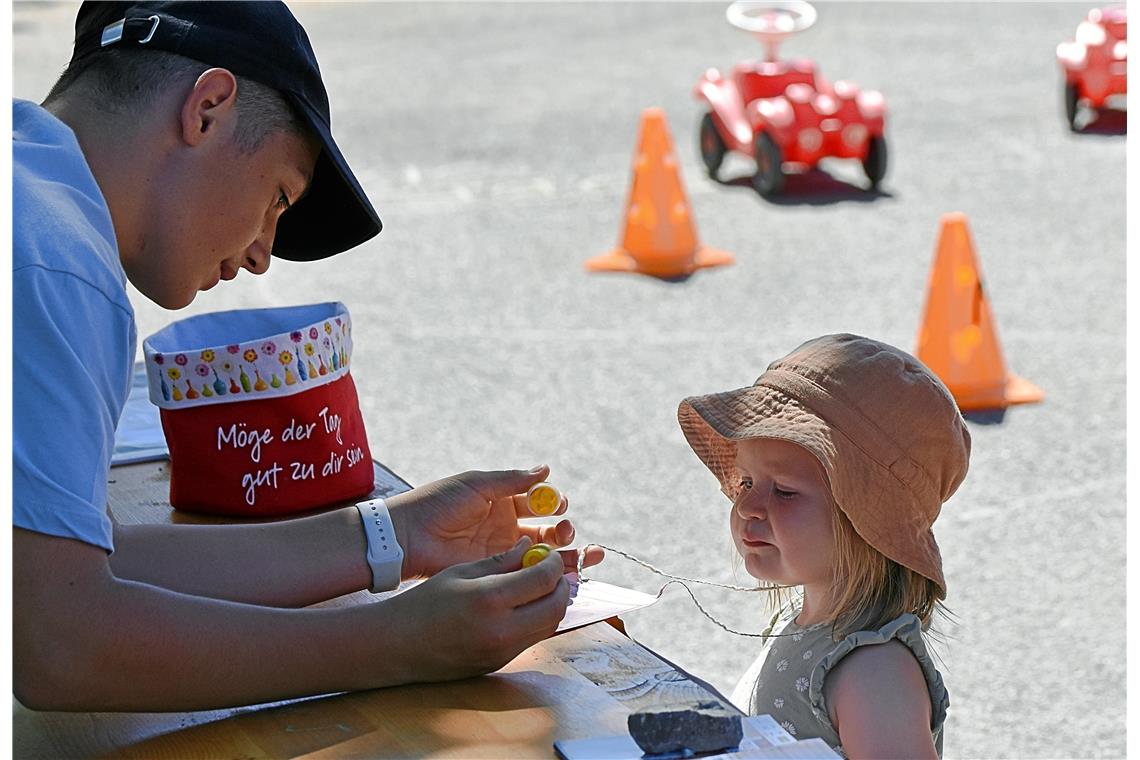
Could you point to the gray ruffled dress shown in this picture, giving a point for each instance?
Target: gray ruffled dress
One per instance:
(786, 681)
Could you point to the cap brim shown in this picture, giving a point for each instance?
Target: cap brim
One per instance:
(713, 425)
(335, 215)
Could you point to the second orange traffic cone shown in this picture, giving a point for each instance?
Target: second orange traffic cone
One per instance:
(660, 238)
(957, 340)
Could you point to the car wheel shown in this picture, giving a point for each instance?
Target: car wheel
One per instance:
(875, 164)
(712, 145)
(1071, 105)
(769, 176)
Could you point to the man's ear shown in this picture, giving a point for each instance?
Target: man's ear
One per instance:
(208, 106)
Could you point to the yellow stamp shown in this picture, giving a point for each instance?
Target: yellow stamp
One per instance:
(543, 499)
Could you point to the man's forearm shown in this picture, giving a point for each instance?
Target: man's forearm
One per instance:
(148, 649)
(287, 563)
(85, 640)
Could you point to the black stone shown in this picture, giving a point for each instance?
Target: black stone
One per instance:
(699, 727)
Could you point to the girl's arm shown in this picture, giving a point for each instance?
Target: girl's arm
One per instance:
(878, 702)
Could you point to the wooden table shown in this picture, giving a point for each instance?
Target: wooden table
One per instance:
(579, 684)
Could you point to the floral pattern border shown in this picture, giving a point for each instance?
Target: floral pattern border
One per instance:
(280, 365)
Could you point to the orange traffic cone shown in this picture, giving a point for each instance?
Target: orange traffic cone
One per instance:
(958, 341)
(660, 238)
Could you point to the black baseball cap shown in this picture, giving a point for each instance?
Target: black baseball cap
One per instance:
(263, 42)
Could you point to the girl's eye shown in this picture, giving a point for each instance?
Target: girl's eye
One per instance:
(283, 202)
(745, 484)
(782, 493)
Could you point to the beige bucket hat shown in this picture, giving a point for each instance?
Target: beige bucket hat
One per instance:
(888, 433)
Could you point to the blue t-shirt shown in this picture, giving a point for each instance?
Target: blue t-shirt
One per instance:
(73, 334)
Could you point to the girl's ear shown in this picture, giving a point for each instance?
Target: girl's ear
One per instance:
(211, 102)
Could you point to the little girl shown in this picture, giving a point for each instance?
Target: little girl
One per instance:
(837, 461)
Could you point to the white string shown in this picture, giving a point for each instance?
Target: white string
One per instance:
(683, 583)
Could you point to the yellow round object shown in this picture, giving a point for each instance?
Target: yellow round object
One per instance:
(543, 499)
(535, 554)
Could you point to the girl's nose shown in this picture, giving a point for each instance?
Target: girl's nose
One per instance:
(753, 503)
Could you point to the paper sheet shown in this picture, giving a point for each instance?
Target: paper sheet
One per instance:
(763, 739)
(761, 731)
(807, 749)
(139, 437)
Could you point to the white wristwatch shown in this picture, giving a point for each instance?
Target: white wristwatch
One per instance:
(385, 556)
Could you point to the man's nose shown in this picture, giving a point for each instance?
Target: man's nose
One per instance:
(257, 256)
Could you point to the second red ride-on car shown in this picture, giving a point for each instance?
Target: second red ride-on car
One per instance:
(1096, 61)
(783, 112)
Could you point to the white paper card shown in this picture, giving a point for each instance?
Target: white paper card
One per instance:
(595, 600)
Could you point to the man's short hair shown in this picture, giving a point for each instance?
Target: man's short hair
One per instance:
(121, 80)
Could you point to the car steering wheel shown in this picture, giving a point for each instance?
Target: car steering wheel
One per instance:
(771, 21)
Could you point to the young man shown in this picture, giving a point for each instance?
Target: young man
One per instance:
(185, 142)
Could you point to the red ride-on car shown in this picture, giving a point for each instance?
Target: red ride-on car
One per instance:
(1096, 62)
(783, 113)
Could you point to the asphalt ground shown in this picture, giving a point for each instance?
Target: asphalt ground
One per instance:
(496, 141)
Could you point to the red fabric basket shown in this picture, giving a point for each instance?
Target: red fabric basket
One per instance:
(259, 410)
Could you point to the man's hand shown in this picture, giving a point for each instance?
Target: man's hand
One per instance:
(475, 617)
(470, 517)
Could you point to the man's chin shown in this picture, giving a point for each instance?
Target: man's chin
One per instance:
(173, 301)
(213, 281)
(162, 291)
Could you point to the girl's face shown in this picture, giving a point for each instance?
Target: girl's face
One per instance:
(782, 520)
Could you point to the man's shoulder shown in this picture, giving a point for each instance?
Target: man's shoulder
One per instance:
(60, 221)
(42, 144)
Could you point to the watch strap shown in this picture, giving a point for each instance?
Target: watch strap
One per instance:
(385, 556)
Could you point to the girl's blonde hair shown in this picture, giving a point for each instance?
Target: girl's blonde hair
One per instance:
(869, 590)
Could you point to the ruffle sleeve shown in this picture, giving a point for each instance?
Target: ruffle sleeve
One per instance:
(906, 628)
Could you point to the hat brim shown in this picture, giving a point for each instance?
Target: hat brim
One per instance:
(715, 423)
(335, 215)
